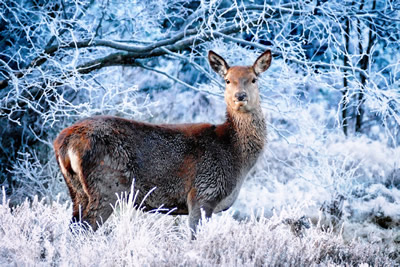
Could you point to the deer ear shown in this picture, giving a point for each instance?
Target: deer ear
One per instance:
(217, 63)
(263, 62)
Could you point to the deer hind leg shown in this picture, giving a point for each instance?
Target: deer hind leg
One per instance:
(80, 199)
(195, 207)
(105, 184)
(78, 196)
(77, 183)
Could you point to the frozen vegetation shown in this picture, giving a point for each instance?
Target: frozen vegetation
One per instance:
(326, 191)
(36, 233)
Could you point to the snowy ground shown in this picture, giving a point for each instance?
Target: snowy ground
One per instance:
(37, 234)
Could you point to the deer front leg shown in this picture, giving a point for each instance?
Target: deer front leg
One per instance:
(195, 207)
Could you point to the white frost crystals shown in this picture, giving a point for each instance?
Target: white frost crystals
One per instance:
(36, 233)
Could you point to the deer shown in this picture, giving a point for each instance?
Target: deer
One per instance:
(194, 167)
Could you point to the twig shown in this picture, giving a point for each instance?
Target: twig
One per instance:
(175, 79)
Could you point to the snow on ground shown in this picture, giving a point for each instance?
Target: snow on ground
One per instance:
(36, 233)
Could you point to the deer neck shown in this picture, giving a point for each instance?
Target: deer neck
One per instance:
(248, 134)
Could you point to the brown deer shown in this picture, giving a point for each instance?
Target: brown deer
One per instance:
(193, 167)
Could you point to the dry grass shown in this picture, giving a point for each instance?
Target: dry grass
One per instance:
(36, 233)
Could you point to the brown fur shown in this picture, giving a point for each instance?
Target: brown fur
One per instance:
(193, 166)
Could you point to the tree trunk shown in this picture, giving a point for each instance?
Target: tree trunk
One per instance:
(345, 90)
(364, 62)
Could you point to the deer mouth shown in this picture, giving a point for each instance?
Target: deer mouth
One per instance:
(240, 103)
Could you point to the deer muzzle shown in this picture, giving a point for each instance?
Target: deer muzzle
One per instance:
(241, 98)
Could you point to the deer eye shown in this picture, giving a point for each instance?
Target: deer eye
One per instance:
(227, 81)
(254, 80)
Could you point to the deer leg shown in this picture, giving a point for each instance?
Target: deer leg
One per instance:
(195, 207)
(100, 209)
(83, 199)
(78, 196)
(89, 214)
(80, 202)
(104, 184)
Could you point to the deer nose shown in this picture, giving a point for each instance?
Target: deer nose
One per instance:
(241, 96)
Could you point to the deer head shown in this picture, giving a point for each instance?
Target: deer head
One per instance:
(241, 91)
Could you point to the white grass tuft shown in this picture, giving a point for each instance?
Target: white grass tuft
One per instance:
(37, 233)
